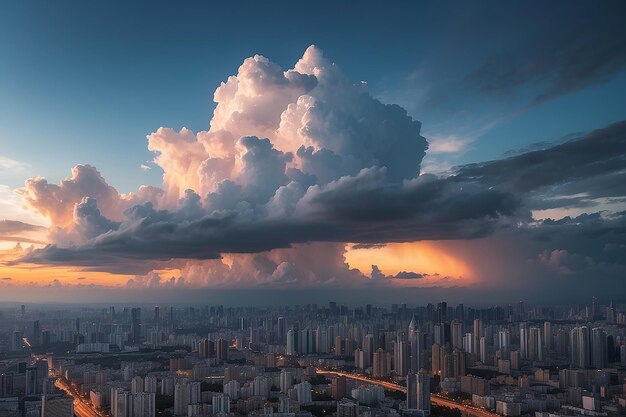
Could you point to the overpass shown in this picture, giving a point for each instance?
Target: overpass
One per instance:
(467, 410)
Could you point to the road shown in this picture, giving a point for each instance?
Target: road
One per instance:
(82, 408)
(435, 399)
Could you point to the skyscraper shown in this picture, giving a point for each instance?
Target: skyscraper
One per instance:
(599, 348)
(418, 392)
(415, 346)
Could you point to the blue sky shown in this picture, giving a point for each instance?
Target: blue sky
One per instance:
(86, 84)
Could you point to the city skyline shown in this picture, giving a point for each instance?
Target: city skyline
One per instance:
(163, 154)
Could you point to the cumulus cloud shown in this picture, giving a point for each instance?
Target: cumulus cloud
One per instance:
(295, 156)
(295, 163)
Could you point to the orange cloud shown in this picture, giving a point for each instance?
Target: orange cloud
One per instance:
(429, 258)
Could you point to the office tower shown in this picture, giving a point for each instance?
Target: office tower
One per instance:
(322, 342)
(523, 341)
(221, 404)
(291, 342)
(580, 347)
(456, 330)
(338, 387)
(381, 363)
(221, 347)
(157, 315)
(135, 324)
(483, 350)
(418, 392)
(547, 335)
(285, 380)
(411, 391)
(281, 330)
(304, 392)
(436, 359)
(57, 406)
(359, 358)
(415, 346)
(306, 341)
(400, 356)
(504, 343)
(599, 348)
(535, 344)
(36, 333)
(468, 342)
(368, 350)
(442, 312)
(478, 333)
(458, 363)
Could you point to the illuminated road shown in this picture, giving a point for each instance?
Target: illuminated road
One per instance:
(82, 408)
(435, 399)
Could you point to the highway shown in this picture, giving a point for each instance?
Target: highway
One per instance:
(467, 410)
(82, 408)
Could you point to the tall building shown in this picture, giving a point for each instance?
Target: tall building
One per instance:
(281, 330)
(580, 347)
(504, 343)
(381, 363)
(418, 393)
(135, 324)
(478, 333)
(304, 392)
(291, 342)
(535, 344)
(285, 380)
(415, 346)
(36, 333)
(599, 348)
(221, 347)
(338, 387)
(232, 389)
(221, 404)
(185, 393)
(547, 335)
(523, 340)
(456, 330)
(400, 356)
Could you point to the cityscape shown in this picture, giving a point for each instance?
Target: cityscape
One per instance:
(328, 208)
(313, 360)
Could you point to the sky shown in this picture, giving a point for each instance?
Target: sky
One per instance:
(416, 150)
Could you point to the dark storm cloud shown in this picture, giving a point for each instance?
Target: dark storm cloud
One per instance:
(556, 63)
(408, 275)
(369, 209)
(599, 158)
(363, 208)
